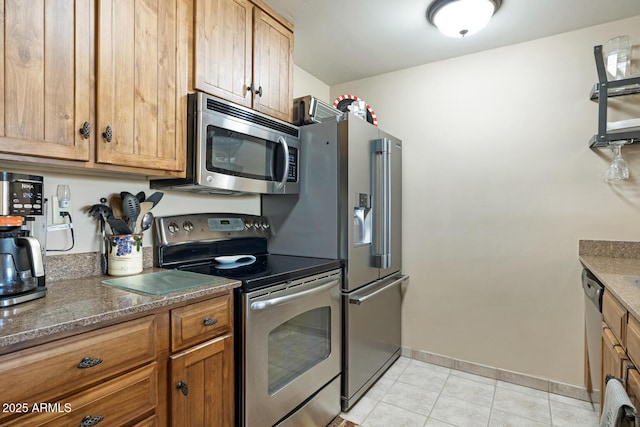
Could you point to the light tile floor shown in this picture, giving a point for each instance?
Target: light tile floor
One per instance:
(418, 394)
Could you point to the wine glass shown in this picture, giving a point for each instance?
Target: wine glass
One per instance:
(618, 169)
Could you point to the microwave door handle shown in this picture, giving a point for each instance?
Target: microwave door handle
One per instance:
(261, 305)
(381, 150)
(285, 171)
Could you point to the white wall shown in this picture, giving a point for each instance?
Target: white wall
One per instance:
(499, 186)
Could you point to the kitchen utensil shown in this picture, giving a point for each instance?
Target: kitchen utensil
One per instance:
(118, 226)
(145, 207)
(131, 210)
(147, 221)
(115, 203)
(155, 197)
(141, 196)
(103, 255)
(100, 210)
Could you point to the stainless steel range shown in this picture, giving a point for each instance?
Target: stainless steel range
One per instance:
(287, 311)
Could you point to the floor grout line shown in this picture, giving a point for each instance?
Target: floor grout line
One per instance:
(395, 382)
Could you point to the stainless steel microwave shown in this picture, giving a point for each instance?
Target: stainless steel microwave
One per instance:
(234, 150)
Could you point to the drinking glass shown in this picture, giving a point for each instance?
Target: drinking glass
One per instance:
(618, 169)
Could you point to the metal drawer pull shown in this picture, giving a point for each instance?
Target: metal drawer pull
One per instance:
(209, 322)
(182, 386)
(89, 362)
(251, 88)
(85, 130)
(108, 134)
(89, 421)
(359, 300)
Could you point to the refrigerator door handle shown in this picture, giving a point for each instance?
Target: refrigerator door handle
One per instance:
(381, 150)
(356, 299)
(285, 171)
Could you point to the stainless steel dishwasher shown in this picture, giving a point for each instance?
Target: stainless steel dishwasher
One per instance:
(593, 290)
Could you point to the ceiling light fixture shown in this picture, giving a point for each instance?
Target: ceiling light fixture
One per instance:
(461, 18)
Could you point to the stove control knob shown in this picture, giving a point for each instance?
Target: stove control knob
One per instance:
(188, 226)
(265, 225)
(173, 228)
(248, 224)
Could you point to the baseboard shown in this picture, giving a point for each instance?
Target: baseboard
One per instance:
(537, 383)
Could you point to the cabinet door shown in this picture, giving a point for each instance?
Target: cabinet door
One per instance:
(201, 385)
(613, 357)
(45, 79)
(137, 101)
(272, 66)
(223, 49)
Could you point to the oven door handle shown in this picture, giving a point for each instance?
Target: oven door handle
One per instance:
(261, 305)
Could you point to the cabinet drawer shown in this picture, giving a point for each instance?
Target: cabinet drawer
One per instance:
(615, 315)
(633, 340)
(44, 372)
(116, 402)
(198, 322)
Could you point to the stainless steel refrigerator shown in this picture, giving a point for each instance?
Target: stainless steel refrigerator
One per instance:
(349, 208)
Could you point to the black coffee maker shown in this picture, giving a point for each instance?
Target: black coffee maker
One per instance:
(21, 257)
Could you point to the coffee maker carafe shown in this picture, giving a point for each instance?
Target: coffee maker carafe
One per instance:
(22, 276)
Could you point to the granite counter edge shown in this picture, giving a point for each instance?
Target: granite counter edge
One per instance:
(101, 317)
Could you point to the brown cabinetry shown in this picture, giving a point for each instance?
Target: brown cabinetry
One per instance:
(613, 357)
(45, 78)
(620, 347)
(60, 372)
(202, 376)
(129, 374)
(93, 85)
(244, 53)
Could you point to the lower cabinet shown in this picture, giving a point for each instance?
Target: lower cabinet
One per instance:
(620, 347)
(202, 383)
(613, 358)
(129, 374)
(117, 402)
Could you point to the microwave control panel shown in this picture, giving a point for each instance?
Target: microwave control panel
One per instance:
(292, 173)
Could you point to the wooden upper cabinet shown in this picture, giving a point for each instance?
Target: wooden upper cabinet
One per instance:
(138, 102)
(223, 48)
(244, 54)
(272, 67)
(45, 79)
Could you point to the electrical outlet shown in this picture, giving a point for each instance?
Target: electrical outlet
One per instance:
(56, 210)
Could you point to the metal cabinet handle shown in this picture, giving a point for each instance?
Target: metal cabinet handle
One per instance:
(89, 421)
(89, 362)
(209, 322)
(253, 89)
(85, 130)
(108, 134)
(182, 386)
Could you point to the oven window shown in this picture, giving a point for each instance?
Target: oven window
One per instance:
(234, 153)
(297, 346)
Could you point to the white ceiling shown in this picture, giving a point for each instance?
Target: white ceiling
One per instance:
(343, 40)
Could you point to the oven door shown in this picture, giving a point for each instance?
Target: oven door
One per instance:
(291, 347)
